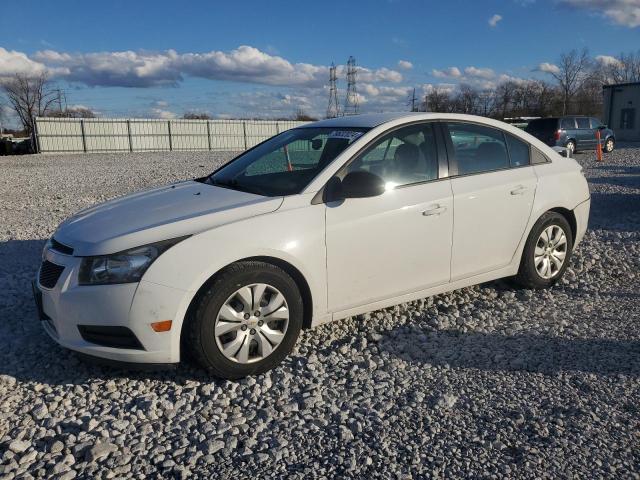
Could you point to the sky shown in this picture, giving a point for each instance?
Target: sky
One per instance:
(268, 59)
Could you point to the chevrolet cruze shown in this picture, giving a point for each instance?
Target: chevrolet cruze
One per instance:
(325, 221)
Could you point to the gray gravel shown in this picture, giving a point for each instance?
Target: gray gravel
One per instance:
(484, 382)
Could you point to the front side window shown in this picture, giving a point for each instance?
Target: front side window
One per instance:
(568, 123)
(478, 148)
(583, 122)
(286, 163)
(595, 123)
(405, 156)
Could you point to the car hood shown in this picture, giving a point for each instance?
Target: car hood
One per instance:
(171, 211)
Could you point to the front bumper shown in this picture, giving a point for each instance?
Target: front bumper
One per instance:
(67, 306)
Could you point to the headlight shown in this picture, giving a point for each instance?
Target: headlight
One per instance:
(122, 267)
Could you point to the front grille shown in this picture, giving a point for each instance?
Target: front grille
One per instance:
(114, 337)
(56, 245)
(49, 274)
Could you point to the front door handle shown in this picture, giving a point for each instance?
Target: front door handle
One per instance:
(434, 210)
(519, 190)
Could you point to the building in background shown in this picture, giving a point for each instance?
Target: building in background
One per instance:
(622, 110)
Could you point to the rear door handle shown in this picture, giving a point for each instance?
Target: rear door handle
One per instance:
(434, 210)
(519, 190)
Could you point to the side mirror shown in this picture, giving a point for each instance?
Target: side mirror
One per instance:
(357, 184)
(316, 143)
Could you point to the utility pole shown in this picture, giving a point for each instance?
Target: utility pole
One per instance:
(333, 109)
(351, 100)
(412, 101)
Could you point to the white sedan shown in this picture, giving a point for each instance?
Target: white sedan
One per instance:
(318, 223)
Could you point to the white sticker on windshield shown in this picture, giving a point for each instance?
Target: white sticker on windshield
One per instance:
(347, 134)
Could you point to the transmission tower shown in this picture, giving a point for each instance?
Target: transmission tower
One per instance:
(351, 100)
(333, 110)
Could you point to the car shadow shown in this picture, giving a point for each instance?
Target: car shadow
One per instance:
(498, 352)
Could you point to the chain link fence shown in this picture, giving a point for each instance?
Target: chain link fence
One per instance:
(74, 135)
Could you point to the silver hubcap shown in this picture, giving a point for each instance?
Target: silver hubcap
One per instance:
(252, 323)
(571, 147)
(609, 145)
(550, 252)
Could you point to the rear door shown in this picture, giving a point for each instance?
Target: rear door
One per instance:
(493, 191)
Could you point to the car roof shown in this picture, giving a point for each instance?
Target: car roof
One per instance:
(367, 120)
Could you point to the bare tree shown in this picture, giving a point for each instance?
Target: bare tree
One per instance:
(196, 116)
(30, 97)
(573, 70)
(467, 100)
(625, 68)
(302, 116)
(72, 112)
(438, 100)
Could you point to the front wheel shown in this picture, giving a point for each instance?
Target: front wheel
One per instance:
(246, 322)
(546, 253)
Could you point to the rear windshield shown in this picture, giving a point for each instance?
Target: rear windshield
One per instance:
(542, 125)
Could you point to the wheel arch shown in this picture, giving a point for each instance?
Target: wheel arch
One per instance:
(569, 216)
(291, 270)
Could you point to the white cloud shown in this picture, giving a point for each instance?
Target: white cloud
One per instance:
(479, 72)
(405, 64)
(493, 21)
(548, 68)
(169, 68)
(608, 60)
(451, 72)
(12, 62)
(163, 114)
(621, 12)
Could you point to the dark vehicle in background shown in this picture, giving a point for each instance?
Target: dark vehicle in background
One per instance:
(573, 132)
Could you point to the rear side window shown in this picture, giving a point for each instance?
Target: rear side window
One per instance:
(518, 151)
(478, 148)
(583, 122)
(568, 123)
(537, 157)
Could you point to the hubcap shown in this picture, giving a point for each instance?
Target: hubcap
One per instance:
(571, 147)
(252, 323)
(609, 145)
(550, 251)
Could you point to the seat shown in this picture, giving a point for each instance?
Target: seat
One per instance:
(406, 162)
(490, 156)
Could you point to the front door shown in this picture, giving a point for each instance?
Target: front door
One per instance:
(400, 241)
(493, 196)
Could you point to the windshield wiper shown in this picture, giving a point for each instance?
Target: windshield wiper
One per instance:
(234, 185)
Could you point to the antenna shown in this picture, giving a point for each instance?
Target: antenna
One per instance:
(351, 100)
(333, 110)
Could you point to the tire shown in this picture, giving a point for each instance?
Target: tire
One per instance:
(529, 276)
(571, 146)
(199, 337)
(609, 145)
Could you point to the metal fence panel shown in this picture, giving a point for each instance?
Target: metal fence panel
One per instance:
(142, 135)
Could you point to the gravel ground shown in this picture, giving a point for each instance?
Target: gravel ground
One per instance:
(486, 382)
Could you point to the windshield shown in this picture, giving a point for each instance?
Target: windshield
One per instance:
(286, 163)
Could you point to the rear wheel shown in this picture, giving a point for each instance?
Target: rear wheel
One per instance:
(546, 253)
(246, 322)
(571, 146)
